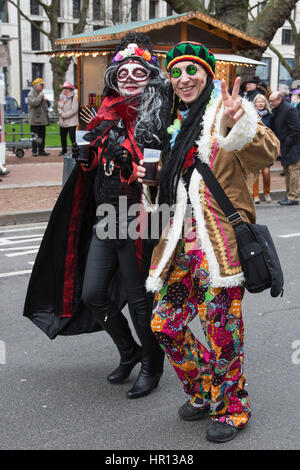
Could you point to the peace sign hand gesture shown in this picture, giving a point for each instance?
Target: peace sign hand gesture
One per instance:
(233, 110)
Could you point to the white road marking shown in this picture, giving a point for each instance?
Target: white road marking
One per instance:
(16, 273)
(15, 248)
(19, 237)
(290, 235)
(29, 252)
(10, 230)
(6, 241)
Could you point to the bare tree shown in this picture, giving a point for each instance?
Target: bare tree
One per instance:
(59, 65)
(293, 71)
(271, 15)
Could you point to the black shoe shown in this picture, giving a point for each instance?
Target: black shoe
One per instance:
(62, 153)
(188, 412)
(34, 154)
(144, 385)
(221, 432)
(289, 202)
(44, 154)
(5, 173)
(122, 372)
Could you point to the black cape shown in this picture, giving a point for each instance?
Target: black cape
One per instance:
(53, 301)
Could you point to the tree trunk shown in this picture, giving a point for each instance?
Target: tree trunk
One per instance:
(270, 19)
(296, 72)
(234, 13)
(60, 65)
(182, 6)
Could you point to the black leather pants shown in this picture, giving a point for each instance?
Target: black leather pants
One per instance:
(104, 258)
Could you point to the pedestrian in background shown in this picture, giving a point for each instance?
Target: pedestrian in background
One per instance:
(263, 109)
(295, 100)
(286, 125)
(38, 117)
(68, 115)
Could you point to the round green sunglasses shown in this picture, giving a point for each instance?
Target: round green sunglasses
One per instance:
(191, 69)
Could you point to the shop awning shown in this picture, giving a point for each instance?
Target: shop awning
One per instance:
(193, 19)
(231, 59)
(237, 60)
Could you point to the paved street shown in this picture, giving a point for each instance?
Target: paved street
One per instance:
(54, 394)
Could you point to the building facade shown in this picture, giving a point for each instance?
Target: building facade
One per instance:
(104, 13)
(274, 74)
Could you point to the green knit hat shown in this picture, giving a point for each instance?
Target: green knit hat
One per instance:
(193, 51)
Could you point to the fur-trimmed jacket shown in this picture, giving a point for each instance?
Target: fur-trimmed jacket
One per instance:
(235, 157)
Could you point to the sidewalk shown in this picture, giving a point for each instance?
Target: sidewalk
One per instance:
(29, 192)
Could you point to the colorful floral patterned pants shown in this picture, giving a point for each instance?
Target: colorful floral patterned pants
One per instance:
(211, 377)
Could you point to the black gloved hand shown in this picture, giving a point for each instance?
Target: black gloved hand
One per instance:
(96, 132)
(75, 151)
(118, 153)
(82, 154)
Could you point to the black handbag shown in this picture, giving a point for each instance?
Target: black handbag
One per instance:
(257, 252)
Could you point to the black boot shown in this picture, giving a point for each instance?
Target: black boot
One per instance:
(117, 327)
(153, 355)
(123, 371)
(147, 379)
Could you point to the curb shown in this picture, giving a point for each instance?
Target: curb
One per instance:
(27, 217)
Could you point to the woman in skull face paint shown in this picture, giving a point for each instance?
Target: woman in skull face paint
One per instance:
(128, 120)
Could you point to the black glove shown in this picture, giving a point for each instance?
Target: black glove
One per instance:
(82, 155)
(98, 131)
(118, 153)
(75, 151)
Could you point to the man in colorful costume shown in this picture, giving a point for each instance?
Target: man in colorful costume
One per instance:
(197, 271)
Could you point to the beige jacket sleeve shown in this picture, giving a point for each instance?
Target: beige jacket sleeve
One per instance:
(254, 144)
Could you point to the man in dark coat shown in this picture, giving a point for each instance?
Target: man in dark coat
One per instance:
(286, 126)
(252, 88)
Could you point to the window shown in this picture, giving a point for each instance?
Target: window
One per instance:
(76, 8)
(116, 11)
(169, 10)
(134, 10)
(264, 71)
(3, 11)
(34, 7)
(36, 37)
(60, 30)
(37, 70)
(287, 37)
(152, 9)
(96, 10)
(59, 8)
(284, 76)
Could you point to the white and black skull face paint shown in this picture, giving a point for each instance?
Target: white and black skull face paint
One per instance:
(132, 78)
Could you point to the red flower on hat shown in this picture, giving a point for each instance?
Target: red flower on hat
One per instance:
(139, 51)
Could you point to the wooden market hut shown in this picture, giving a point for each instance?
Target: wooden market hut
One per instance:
(93, 50)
